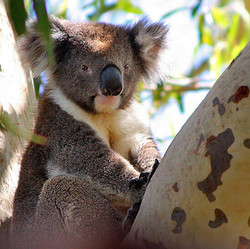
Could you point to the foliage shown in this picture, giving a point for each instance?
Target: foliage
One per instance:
(101, 7)
(224, 29)
(7, 124)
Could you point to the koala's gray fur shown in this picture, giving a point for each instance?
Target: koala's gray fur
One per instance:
(98, 138)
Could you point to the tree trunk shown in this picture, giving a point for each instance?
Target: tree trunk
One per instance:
(17, 109)
(199, 196)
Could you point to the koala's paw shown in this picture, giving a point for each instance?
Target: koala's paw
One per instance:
(137, 183)
(130, 218)
(144, 177)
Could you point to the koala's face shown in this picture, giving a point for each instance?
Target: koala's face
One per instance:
(96, 67)
(99, 65)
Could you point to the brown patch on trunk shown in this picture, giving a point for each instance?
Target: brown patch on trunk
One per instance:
(175, 187)
(244, 243)
(247, 143)
(241, 93)
(178, 215)
(221, 107)
(220, 161)
(220, 218)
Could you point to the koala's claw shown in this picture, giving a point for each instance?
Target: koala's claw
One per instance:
(154, 168)
(144, 177)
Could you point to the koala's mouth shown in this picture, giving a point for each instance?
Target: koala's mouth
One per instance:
(106, 103)
(106, 100)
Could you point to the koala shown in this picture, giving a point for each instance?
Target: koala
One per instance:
(74, 190)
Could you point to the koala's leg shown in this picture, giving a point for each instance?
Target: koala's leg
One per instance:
(72, 214)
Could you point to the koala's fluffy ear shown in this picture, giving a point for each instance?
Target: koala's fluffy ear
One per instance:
(31, 45)
(150, 44)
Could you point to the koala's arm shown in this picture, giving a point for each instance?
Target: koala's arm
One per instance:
(146, 156)
(143, 150)
(104, 169)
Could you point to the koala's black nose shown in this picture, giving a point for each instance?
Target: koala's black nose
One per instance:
(111, 81)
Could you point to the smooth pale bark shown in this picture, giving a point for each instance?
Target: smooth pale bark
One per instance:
(18, 104)
(199, 196)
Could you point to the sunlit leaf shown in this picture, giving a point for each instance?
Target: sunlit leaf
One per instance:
(233, 30)
(207, 36)
(174, 12)
(173, 133)
(200, 69)
(101, 7)
(63, 8)
(201, 23)
(128, 7)
(196, 8)
(222, 3)
(179, 98)
(107, 8)
(217, 60)
(220, 16)
(29, 8)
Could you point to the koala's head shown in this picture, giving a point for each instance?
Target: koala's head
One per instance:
(98, 65)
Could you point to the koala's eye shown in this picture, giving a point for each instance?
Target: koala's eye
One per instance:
(126, 66)
(85, 68)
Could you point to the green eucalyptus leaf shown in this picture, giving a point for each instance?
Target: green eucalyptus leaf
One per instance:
(196, 8)
(14, 128)
(41, 13)
(43, 26)
(107, 8)
(128, 7)
(18, 15)
(201, 24)
(179, 99)
(170, 13)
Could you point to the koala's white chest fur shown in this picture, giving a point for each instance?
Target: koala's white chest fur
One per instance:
(125, 131)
